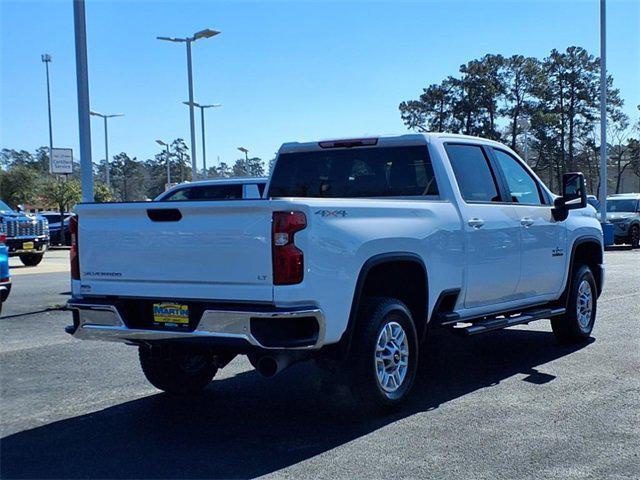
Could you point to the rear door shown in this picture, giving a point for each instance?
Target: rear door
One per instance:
(491, 231)
(177, 250)
(543, 239)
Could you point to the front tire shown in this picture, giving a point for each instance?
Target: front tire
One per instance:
(577, 324)
(31, 259)
(634, 236)
(384, 354)
(177, 371)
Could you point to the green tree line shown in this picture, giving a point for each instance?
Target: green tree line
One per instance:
(555, 99)
(25, 177)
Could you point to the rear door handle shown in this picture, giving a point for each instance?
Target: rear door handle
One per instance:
(526, 221)
(476, 222)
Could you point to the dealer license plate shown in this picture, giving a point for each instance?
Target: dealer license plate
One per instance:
(171, 314)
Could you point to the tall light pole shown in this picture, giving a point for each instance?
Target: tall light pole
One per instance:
(206, 33)
(245, 151)
(46, 59)
(106, 141)
(204, 147)
(603, 111)
(166, 145)
(82, 79)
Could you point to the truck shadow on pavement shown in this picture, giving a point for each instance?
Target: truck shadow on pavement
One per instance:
(246, 426)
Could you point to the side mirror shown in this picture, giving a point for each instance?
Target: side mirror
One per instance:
(574, 191)
(574, 196)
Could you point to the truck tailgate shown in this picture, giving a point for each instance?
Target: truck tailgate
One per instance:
(180, 250)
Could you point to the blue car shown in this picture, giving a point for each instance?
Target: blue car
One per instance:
(5, 280)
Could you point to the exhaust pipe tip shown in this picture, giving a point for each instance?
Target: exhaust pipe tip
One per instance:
(268, 367)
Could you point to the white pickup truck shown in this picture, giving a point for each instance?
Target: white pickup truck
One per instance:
(357, 249)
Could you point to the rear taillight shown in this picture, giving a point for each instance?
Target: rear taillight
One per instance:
(74, 255)
(288, 260)
(3, 238)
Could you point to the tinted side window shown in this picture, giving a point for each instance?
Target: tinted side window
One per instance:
(206, 192)
(522, 186)
(357, 172)
(473, 173)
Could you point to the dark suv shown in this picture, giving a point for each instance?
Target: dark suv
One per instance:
(59, 233)
(623, 210)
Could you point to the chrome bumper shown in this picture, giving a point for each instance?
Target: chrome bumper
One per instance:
(103, 322)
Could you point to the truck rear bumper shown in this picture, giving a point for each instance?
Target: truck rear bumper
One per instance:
(278, 329)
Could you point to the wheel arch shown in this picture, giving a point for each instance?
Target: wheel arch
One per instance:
(586, 250)
(371, 269)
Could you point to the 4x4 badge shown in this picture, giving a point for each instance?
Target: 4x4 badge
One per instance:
(331, 213)
(557, 252)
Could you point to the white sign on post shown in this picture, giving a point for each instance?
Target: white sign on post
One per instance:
(61, 161)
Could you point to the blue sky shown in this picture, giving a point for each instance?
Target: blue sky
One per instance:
(284, 71)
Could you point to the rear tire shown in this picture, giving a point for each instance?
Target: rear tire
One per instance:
(577, 324)
(382, 364)
(31, 259)
(634, 236)
(177, 371)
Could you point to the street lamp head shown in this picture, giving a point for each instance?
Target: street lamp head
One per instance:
(199, 105)
(45, 57)
(206, 33)
(98, 114)
(160, 142)
(243, 150)
(172, 39)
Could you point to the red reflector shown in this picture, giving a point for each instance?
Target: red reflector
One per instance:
(354, 142)
(288, 260)
(3, 238)
(74, 255)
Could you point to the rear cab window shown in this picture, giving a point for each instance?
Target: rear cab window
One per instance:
(355, 172)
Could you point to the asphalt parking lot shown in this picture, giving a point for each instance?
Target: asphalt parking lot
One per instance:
(510, 404)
